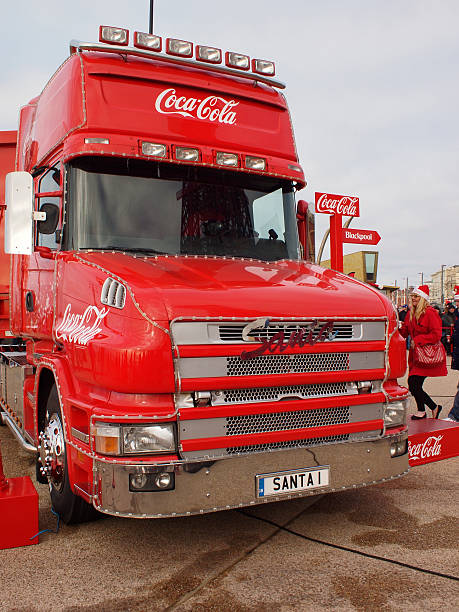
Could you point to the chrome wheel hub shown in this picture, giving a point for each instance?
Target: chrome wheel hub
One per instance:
(52, 452)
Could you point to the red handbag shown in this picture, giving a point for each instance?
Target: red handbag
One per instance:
(429, 355)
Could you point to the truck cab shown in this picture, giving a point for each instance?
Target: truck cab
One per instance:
(174, 353)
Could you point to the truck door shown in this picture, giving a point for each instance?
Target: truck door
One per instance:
(39, 268)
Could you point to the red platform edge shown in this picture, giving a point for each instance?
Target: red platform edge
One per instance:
(432, 440)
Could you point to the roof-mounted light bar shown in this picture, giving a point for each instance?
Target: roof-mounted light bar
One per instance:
(181, 52)
(114, 36)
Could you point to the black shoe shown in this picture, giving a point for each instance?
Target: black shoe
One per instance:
(416, 418)
(436, 411)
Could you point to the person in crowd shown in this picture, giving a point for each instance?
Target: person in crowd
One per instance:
(454, 412)
(402, 312)
(423, 324)
(447, 322)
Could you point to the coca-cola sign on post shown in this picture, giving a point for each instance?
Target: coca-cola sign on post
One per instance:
(211, 108)
(333, 204)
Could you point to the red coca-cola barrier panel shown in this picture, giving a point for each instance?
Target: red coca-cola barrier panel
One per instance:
(332, 204)
(432, 440)
(18, 511)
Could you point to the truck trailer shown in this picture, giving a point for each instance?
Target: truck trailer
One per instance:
(167, 348)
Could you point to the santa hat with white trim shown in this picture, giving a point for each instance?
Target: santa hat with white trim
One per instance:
(422, 291)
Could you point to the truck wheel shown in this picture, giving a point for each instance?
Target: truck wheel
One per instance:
(53, 455)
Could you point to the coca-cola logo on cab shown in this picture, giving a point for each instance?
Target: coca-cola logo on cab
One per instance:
(333, 204)
(211, 108)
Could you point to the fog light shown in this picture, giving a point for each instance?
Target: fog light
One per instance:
(163, 480)
(398, 448)
(138, 481)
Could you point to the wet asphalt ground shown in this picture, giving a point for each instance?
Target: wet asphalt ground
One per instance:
(387, 547)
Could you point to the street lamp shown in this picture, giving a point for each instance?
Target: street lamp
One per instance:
(442, 287)
(422, 277)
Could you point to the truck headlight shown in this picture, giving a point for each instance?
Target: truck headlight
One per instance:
(116, 439)
(395, 413)
(148, 438)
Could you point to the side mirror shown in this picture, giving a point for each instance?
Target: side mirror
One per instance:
(19, 213)
(49, 225)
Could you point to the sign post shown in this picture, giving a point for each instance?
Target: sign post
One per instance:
(337, 206)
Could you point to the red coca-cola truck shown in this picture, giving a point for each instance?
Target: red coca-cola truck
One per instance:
(167, 349)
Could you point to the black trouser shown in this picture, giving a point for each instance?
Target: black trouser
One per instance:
(422, 398)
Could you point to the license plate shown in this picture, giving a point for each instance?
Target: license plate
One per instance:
(282, 483)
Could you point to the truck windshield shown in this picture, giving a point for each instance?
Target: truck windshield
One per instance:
(150, 207)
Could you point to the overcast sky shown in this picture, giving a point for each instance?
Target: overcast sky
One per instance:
(372, 86)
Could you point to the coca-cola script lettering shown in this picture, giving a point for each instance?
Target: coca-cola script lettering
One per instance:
(332, 204)
(80, 328)
(310, 334)
(431, 447)
(212, 108)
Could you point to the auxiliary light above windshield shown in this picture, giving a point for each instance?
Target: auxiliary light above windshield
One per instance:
(151, 42)
(114, 36)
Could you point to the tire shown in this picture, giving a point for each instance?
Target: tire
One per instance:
(71, 508)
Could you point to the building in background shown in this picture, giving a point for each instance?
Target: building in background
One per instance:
(363, 265)
(450, 277)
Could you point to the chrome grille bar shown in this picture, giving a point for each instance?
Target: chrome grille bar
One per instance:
(272, 394)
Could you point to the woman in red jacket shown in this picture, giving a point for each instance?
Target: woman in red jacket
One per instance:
(423, 325)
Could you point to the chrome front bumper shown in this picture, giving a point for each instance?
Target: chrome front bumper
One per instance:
(202, 487)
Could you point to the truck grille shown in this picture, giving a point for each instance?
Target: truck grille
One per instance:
(257, 448)
(284, 364)
(233, 333)
(272, 394)
(277, 421)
